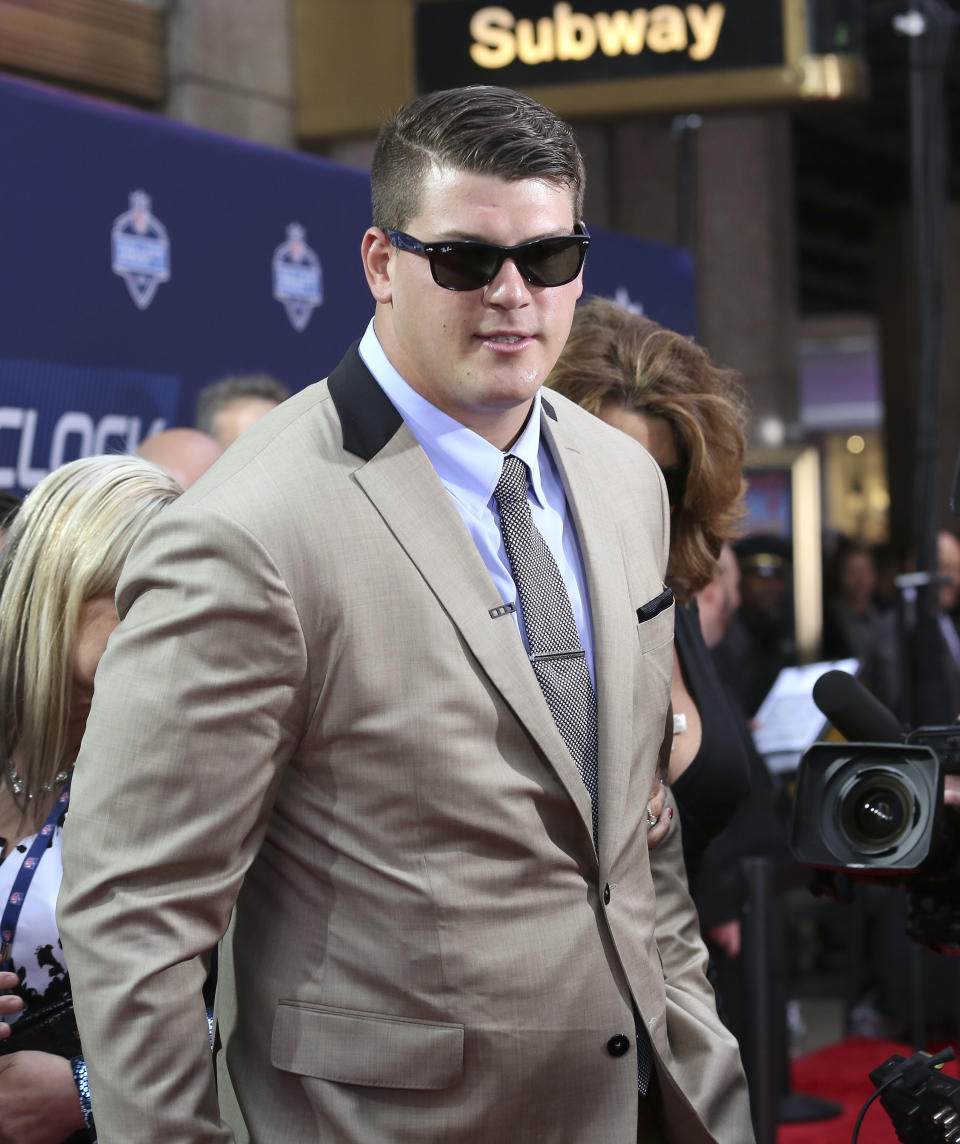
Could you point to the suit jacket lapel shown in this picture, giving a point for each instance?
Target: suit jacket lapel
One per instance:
(406, 491)
(601, 548)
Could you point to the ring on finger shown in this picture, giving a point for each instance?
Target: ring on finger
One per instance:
(652, 819)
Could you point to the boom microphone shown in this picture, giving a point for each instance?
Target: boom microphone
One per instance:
(856, 714)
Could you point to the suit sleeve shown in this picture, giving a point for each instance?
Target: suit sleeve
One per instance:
(705, 1053)
(200, 700)
(712, 1079)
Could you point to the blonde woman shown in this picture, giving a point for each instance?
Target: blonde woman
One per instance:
(59, 568)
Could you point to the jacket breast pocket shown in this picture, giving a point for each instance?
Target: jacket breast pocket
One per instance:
(353, 1047)
(655, 621)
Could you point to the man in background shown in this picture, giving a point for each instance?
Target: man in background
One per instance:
(758, 828)
(185, 454)
(719, 601)
(948, 602)
(935, 665)
(759, 640)
(229, 407)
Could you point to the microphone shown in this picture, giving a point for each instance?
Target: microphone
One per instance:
(856, 714)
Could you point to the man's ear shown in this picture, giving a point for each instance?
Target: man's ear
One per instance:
(377, 255)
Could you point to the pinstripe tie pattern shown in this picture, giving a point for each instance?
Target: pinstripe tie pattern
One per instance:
(559, 661)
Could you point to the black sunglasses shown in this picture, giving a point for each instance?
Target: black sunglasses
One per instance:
(471, 265)
(675, 478)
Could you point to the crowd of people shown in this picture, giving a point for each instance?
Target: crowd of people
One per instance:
(862, 620)
(429, 713)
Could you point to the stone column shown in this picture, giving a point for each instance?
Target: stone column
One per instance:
(896, 315)
(950, 384)
(230, 67)
(731, 199)
(746, 258)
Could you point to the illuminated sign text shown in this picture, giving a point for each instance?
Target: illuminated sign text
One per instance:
(500, 38)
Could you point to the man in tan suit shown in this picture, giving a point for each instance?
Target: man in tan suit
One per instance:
(318, 716)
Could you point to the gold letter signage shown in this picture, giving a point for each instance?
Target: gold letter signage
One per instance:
(498, 37)
(529, 42)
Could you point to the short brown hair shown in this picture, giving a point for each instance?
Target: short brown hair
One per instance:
(212, 398)
(483, 130)
(615, 357)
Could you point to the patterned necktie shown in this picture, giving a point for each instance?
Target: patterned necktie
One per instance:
(559, 661)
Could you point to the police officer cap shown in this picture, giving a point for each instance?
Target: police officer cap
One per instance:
(764, 555)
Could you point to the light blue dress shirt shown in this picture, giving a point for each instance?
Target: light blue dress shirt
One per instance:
(470, 467)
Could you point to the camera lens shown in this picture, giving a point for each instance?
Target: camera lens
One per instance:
(876, 811)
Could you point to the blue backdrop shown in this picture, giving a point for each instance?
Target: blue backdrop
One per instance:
(141, 259)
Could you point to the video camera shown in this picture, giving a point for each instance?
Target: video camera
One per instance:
(923, 1103)
(871, 809)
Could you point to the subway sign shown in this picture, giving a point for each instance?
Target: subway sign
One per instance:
(530, 43)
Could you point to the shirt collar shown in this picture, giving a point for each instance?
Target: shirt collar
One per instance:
(467, 464)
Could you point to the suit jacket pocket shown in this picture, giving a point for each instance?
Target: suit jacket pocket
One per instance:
(655, 606)
(353, 1047)
(655, 621)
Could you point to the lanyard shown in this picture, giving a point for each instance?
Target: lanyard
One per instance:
(14, 904)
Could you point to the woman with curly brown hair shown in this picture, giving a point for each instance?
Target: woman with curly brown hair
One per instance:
(663, 390)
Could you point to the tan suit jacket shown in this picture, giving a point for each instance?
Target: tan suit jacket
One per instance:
(312, 710)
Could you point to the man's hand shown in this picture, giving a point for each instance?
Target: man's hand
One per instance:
(8, 1002)
(39, 1099)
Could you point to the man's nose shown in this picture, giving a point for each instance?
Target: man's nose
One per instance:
(508, 288)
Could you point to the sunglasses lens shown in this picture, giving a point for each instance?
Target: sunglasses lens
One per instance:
(675, 478)
(471, 265)
(465, 266)
(552, 262)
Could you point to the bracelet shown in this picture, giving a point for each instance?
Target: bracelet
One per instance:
(79, 1066)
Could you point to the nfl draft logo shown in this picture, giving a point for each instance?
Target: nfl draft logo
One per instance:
(297, 277)
(622, 298)
(140, 250)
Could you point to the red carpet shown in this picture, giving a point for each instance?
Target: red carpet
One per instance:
(841, 1073)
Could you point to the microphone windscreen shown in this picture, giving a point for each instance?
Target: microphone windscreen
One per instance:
(856, 714)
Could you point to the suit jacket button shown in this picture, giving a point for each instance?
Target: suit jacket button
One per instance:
(606, 894)
(618, 1045)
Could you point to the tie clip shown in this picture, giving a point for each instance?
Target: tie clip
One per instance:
(578, 653)
(502, 610)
